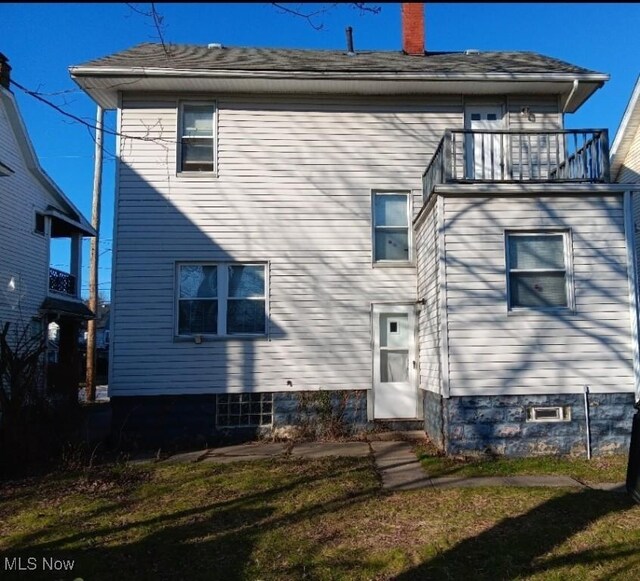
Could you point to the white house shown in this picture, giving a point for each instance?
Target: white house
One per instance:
(414, 229)
(33, 211)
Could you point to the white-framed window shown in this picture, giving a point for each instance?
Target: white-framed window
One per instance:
(197, 137)
(549, 414)
(391, 221)
(223, 299)
(538, 270)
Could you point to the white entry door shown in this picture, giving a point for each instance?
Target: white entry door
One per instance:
(484, 152)
(395, 392)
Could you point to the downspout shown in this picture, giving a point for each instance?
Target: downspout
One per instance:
(571, 94)
(586, 420)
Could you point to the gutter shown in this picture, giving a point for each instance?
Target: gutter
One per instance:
(80, 71)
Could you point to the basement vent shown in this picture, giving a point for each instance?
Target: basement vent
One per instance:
(549, 414)
(244, 410)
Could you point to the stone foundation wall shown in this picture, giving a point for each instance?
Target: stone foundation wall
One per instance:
(180, 421)
(498, 424)
(433, 405)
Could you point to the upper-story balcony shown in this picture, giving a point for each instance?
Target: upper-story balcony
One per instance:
(471, 156)
(62, 283)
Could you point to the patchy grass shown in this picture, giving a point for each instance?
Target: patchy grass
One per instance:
(601, 469)
(297, 518)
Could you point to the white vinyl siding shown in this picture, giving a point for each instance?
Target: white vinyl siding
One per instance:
(24, 260)
(293, 188)
(428, 263)
(491, 352)
(630, 171)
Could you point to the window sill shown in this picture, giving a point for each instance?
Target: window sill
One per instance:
(196, 175)
(218, 338)
(522, 311)
(399, 264)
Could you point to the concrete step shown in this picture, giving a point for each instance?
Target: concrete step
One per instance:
(398, 425)
(402, 436)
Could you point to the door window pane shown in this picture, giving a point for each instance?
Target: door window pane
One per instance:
(394, 366)
(394, 330)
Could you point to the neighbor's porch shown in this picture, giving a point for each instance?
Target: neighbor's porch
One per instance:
(518, 156)
(63, 309)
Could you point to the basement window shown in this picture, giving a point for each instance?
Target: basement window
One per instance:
(549, 414)
(244, 410)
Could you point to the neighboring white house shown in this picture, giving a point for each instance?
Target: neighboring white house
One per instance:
(413, 228)
(33, 210)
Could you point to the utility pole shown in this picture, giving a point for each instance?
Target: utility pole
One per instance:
(90, 384)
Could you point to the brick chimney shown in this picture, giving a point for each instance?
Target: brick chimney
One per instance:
(413, 28)
(5, 71)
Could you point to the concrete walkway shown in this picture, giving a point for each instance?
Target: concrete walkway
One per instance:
(395, 461)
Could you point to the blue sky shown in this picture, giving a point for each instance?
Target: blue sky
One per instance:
(43, 40)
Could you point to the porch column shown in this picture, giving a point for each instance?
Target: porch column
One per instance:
(76, 261)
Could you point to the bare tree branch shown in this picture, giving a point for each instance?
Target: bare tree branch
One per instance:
(158, 22)
(298, 11)
(84, 122)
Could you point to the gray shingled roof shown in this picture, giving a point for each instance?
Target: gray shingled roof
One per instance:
(198, 57)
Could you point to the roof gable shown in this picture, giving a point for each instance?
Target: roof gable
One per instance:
(626, 133)
(27, 151)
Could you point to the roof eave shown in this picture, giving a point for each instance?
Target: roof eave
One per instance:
(108, 82)
(85, 71)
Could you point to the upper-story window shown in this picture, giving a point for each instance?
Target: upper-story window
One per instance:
(197, 150)
(391, 231)
(39, 226)
(538, 275)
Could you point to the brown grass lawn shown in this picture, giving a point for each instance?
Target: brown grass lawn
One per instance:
(309, 519)
(598, 469)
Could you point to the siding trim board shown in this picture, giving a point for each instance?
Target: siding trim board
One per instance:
(443, 310)
(630, 238)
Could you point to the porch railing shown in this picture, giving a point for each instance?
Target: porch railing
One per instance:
(62, 283)
(477, 156)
